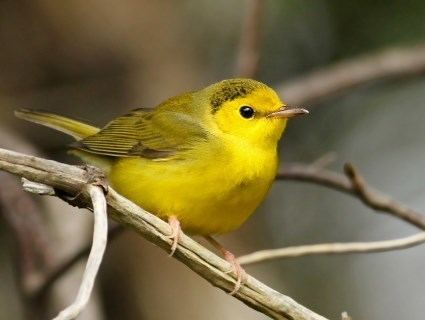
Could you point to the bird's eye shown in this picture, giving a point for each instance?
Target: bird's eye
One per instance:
(246, 112)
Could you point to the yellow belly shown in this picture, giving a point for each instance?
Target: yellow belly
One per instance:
(208, 197)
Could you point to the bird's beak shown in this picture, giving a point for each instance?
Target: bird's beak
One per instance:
(286, 112)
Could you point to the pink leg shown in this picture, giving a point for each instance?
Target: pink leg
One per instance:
(175, 233)
(236, 267)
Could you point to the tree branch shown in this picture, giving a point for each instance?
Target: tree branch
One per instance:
(72, 180)
(346, 75)
(352, 184)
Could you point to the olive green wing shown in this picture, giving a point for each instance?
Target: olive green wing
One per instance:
(153, 135)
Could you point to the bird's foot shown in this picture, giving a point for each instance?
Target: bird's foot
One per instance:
(237, 269)
(176, 232)
(240, 272)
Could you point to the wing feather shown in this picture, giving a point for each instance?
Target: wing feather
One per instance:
(148, 134)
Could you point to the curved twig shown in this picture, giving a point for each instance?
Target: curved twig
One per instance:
(332, 248)
(100, 234)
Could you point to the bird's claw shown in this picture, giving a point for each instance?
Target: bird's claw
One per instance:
(240, 272)
(175, 233)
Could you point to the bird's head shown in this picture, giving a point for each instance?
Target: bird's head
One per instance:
(249, 110)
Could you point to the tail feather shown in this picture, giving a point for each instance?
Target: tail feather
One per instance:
(74, 128)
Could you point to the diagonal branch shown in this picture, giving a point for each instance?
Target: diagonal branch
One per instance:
(353, 184)
(25, 221)
(60, 269)
(72, 180)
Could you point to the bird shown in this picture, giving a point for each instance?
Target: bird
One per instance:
(203, 161)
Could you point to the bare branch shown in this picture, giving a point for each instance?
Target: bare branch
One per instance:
(346, 75)
(248, 59)
(332, 249)
(354, 185)
(100, 234)
(72, 180)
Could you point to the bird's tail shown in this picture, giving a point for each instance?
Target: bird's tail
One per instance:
(77, 129)
(74, 128)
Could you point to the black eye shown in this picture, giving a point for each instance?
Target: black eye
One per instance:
(246, 112)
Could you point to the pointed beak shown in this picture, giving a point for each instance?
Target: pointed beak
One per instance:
(286, 112)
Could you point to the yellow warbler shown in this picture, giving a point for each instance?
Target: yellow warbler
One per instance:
(203, 160)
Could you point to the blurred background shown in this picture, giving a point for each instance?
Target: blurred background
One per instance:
(94, 60)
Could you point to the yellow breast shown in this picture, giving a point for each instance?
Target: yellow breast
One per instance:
(210, 191)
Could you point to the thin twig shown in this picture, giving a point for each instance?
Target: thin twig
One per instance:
(72, 180)
(352, 184)
(312, 174)
(346, 75)
(332, 249)
(100, 233)
(248, 59)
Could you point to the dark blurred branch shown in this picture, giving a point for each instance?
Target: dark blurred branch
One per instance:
(26, 224)
(60, 269)
(352, 184)
(248, 58)
(73, 180)
(346, 75)
(23, 217)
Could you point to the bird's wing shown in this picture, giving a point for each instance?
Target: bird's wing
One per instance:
(148, 134)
